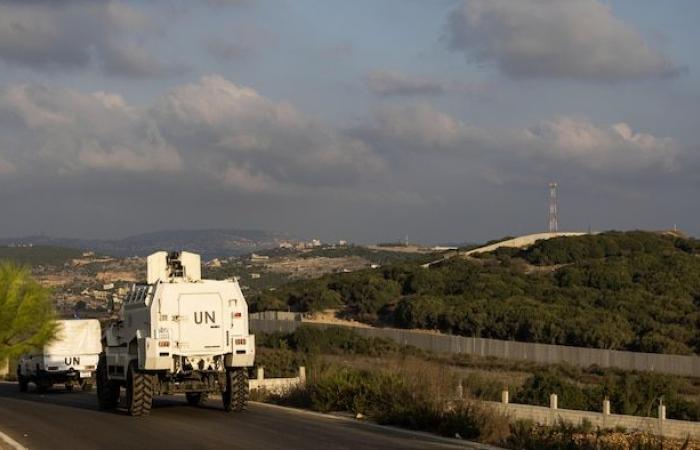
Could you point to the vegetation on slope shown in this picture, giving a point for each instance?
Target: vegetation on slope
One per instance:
(404, 386)
(635, 291)
(630, 393)
(39, 255)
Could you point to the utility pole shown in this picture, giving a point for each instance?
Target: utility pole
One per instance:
(553, 214)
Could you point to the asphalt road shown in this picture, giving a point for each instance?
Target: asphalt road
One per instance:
(60, 420)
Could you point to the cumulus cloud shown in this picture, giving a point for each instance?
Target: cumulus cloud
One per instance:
(564, 143)
(213, 128)
(64, 131)
(601, 148)
(76, 34)
(576, 39)
(257, 139)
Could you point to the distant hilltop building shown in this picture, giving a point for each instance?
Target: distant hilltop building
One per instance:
(216, 262)
(256, 257)
(286, 244)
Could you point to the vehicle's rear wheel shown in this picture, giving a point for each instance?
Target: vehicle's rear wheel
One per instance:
(196, 398)
(23, 381)
(86, 385)
(235, 396)
(107, 390)
(139, 391)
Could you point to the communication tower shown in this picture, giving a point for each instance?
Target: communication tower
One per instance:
(553, 214)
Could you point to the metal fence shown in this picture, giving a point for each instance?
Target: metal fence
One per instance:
(512, 350)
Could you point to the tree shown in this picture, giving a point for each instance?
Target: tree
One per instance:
(26, 313)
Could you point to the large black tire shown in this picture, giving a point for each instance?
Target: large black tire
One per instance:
(196, 398)
(23, 381)
(139, 391)
(235, 396)
(107, 390)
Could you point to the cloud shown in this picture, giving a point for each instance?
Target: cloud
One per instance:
(574, 39)
(613, 147)
(233, 136)
(132, 60)
(65, 131)
(6, 167)
(215, 151)
(392, 83)
(241, 135)
(213, 129)
(386, 82)
(246, 42)
(76, 34)
(563, 144)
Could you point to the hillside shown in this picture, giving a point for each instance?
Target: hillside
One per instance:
(636, 291)
(208, 243)
(279, 266)
(39, 255)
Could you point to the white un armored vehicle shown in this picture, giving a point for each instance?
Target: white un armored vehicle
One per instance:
(177, 334)
(70, 359)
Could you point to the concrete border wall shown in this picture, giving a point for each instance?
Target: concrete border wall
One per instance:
(520, 351)
(542, 415)
(276, 315)
(276, 385)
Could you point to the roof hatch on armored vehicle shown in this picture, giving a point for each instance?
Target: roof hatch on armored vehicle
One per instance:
(164, 266)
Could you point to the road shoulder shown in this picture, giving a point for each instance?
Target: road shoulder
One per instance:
(386, 428)
(7, 443)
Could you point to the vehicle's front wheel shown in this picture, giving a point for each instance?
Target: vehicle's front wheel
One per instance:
(235, 396)
(139, 391)
(23, 382)
(107, 390)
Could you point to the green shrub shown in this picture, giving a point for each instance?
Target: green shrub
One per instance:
(412, 396)
(332, 340)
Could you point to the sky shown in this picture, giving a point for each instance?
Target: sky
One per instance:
(369, 121)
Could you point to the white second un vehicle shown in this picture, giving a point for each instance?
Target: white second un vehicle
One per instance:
(177, 334)
(70, 359)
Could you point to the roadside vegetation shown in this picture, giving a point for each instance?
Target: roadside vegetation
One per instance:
(637, 291)
(26, 312)
(407, 387)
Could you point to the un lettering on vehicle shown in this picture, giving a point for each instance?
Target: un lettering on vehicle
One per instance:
(204, 317)
(72, 360)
